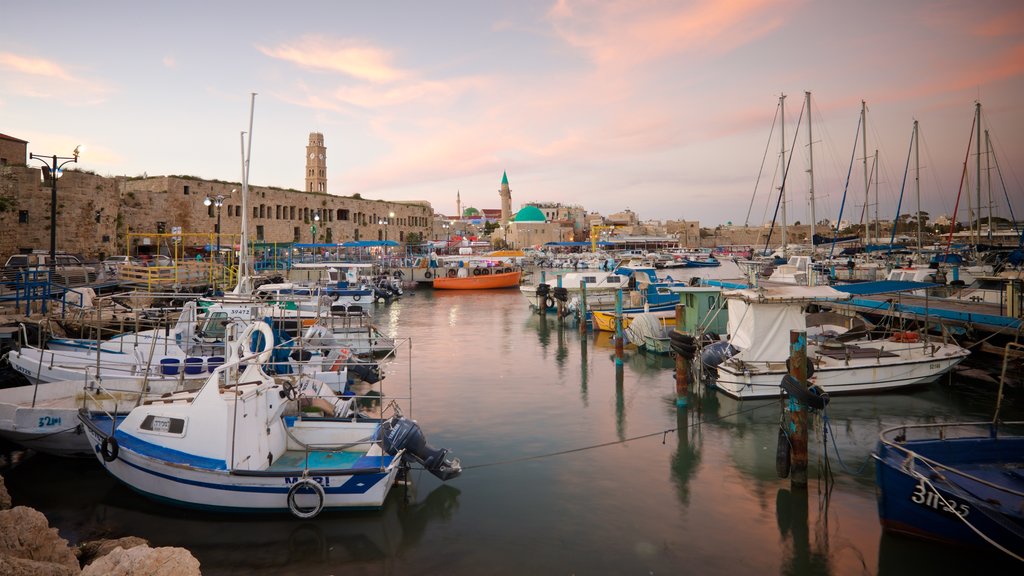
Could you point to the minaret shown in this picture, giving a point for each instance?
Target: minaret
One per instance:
(316, 163)
(458, 205)
(506, 200)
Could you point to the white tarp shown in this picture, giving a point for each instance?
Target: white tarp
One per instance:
(761, 330)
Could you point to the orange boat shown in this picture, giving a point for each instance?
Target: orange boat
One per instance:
(479, 279)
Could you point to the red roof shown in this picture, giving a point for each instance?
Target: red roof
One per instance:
(12, 139)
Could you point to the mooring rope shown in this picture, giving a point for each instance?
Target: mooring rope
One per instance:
(662, 433)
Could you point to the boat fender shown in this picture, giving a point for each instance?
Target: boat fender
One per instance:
(810, 396)
(452, 273)
(810, 367)
(428, 275)
(904, 337)
(783, 457)
(549, 302)
(109, 449)
(299, 511)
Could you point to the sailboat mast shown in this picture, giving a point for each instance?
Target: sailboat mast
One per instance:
(782, 188)
(988, 180)
(917, 184)
(810, 173)
(977, 171)
(867, 181)
(878, 223)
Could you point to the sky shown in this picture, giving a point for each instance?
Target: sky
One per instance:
(665, 108)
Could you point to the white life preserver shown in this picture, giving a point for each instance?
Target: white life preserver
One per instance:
(356, 298)
(428, 275)
(242, 346)
(305, 513)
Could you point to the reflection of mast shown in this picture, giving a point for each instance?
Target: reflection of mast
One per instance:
(686, 458)
(620, 403)
(583, 370)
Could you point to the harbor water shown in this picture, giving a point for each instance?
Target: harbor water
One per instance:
(572, 465)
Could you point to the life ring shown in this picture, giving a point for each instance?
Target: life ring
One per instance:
(810, 396)
(476, 271)
(904, 337)
(243, 346)
(428, 275)
(356, 298)
(452, 273)
(549, 302)
(109, 449)
(485, 271)
(305, 513)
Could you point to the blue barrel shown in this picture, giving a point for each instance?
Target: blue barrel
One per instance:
(214, 362)
(194, 365)
(169, 366)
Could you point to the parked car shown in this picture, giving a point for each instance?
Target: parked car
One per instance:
(111, 264)
(159, 260)
(68, 269)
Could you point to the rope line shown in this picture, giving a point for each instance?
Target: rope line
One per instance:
(662, 433)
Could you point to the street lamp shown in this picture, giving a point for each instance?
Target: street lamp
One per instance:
(316, 218)
(217, 201)
(53, 164)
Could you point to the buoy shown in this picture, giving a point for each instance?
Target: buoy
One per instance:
(782, 455)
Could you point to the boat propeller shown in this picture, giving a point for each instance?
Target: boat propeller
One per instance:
(399, 432)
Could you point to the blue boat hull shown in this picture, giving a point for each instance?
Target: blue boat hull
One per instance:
(938, 489)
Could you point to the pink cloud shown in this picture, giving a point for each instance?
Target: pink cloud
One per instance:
(349, 57)
(42, 78)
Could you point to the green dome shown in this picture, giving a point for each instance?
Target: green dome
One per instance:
(530, 214)
(470, 212)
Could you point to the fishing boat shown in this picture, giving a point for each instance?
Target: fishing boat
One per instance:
(955, 483)
(481, 278)
(244, 443)
(752, 362)
(605, 319)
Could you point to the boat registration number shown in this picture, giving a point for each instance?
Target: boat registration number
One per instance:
(324, 481)
(931, 499)
(45, 421)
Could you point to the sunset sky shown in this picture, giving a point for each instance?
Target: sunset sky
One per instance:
(661, 107)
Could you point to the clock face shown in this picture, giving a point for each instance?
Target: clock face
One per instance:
(312, 155)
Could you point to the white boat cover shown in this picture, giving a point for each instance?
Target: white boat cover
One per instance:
(760, 320)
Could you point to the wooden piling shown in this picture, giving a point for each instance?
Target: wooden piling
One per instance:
(682, 365)
(559, 305)
(583, 308)
(796, 420)
(619, 335)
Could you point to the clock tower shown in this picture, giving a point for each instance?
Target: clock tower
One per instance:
(316, 164)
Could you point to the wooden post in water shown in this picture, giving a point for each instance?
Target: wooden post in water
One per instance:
(619, 336)
(542, 307)
(682, 365)
(796, 411)
(559, 305)
(583, 308)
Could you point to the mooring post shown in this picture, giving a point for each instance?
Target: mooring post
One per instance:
(559, 305)
(682, 364)
(796, 411)
(542, 294)
(619, 336)
(583, 308)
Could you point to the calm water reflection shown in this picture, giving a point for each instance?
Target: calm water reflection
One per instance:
(518, 399)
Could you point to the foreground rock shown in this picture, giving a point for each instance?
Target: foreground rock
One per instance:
(29, 547)
(145, 560)
(28, 542)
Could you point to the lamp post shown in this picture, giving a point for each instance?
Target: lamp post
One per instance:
(54, 163)
(447, 235)
(217, 201)
(312, 229)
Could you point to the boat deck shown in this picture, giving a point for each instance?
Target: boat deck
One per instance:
(328, 460)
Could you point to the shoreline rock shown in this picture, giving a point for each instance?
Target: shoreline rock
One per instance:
(30, 547)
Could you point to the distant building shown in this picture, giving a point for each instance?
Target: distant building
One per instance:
(316, 164)
(12, 150)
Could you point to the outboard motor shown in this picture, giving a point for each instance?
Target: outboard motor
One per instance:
(369, 373)
(717, 352)
(399, 432)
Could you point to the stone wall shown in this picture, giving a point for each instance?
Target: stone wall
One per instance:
(87, 208)
(99, 216)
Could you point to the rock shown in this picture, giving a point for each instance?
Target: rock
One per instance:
(166, 561)
(5, 498)
(26, 534)
(89, 552)
(10, 566)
